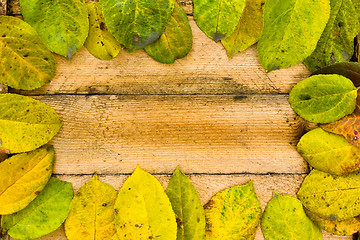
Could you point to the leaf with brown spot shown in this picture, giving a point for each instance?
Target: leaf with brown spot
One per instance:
(233, 213)
(344, 228)
(348, 126)
(92, 212)
(22, 177)
(185, 201)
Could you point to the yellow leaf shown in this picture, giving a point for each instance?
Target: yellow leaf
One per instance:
(233, 214)
(248, 30)
(22, 177)
(100, 43)
(92, 212)
(143, 210)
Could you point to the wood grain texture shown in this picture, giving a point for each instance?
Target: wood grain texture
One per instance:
(3, 7)
(207, 186)
(204, 134)
(206, 70)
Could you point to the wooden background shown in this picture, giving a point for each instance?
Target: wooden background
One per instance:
(223, 121)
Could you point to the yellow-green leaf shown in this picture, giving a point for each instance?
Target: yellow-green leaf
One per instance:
(100, 43)
(25, 123)
(218, 18)
(344, 228)
(248, 30)
(329, 152)
(22, 177)
(175, 42)
(43, 215)
(92, 212)
(135, 23)
(187, 206)
(233, 213)
(284, 218)
(331, 197)
(143, 210)
(323, 98)
(63, 25)
(337, 41)
(25, 62)
(291, 31)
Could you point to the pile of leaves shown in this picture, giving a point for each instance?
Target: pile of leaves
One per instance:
(331, 192)
(317, 33)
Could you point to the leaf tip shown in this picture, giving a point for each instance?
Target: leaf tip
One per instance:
(95, 177)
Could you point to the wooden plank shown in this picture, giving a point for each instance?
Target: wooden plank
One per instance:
(206, 70)
(3, 7)
(207, 186)
(204, 134)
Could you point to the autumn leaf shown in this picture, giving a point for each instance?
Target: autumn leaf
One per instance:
(331, 197)
(100, 43)
(43, 215)
(22, 177)
(329, 152)
(143, 210)
(175, 42)
(284, 218)
(344, 228)
(25, 62)
(248, 30)
(62, 25)
(291, 31)
(218, 18)
(187, 206)
(323, 98)
(25, 123)
(337, 41)
(233, 213)
(348, 126)
(136, 24)
(92, 212)
(350, 70)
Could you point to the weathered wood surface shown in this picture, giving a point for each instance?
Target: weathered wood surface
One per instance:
(204, 134)
(224, 121)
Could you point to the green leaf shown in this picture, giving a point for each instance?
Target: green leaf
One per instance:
(337, 41)
(43, 215)
(26, 63)
(248, 30)
(25, 123)
(344, 228)
(92, 212)
(143, 210)
(100, 43)
(187, 206)
(63, 25)
(351, 70)
(329, 152)
(23, 176)
(284, 218)
(175, 42)
(291, 31)
(218, 18)
(233, 213)
(323, 98)
(331, 197)
(135, 23)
